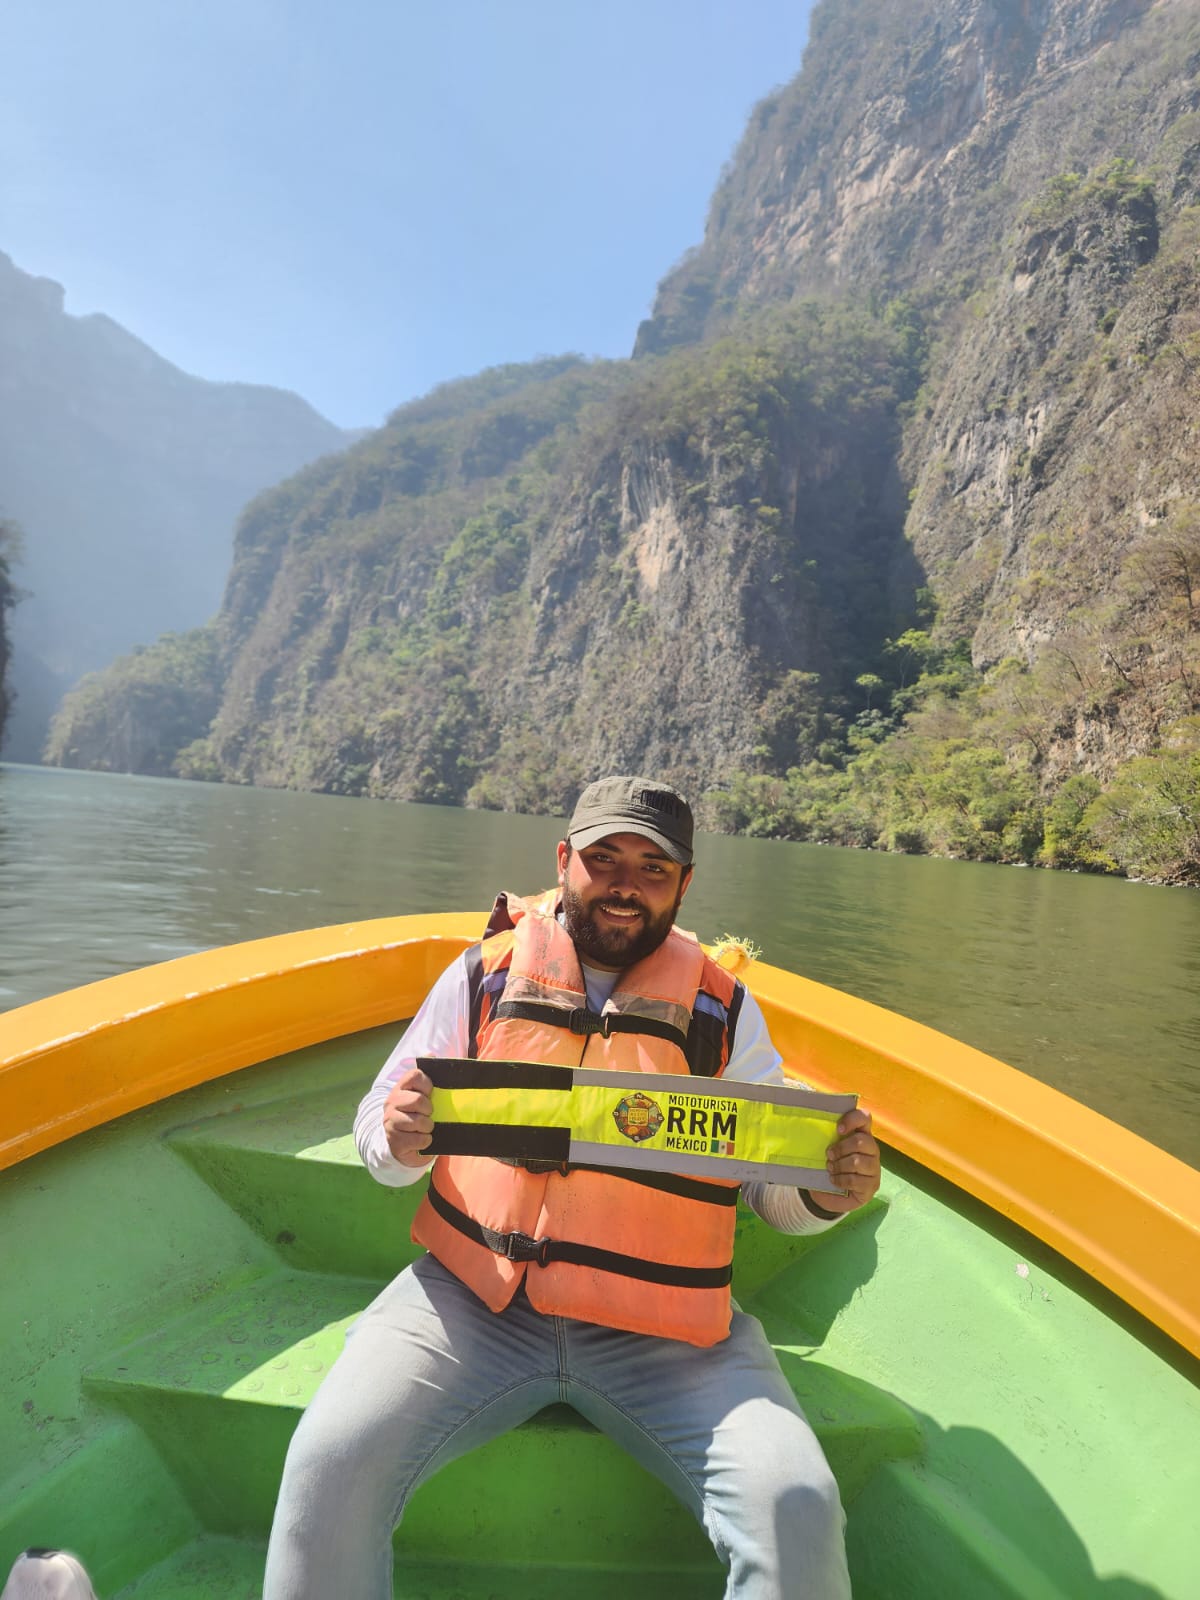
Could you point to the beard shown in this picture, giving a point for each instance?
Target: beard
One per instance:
(615, 947)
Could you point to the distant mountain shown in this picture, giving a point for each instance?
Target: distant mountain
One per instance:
(125, 475)
(888, 535)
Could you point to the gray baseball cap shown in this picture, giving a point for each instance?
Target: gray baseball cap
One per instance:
(634, 805)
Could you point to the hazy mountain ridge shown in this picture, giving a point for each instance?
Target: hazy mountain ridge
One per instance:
(892, 531)
(125, 475)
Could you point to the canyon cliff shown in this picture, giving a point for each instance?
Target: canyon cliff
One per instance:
(903, 469)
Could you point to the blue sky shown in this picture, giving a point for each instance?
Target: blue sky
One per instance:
(357, 200)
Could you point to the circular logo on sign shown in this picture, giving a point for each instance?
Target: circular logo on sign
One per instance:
(637, 1117)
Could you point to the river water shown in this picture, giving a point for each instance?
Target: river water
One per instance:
(1091, 984)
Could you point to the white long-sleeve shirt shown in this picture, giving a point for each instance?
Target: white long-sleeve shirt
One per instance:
(441, 1028)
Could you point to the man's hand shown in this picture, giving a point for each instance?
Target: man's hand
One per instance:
(852, 1161)
(408, 1117)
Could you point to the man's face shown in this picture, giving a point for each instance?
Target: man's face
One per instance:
(619, 897)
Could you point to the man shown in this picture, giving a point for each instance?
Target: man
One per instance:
(602, 1287)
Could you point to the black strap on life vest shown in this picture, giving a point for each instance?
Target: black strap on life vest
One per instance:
(541, 1252)
(581, 1020)
(710, 1194)
(710, 1038)
(475, 991)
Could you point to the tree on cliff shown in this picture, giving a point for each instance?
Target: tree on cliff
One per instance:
(10, 547)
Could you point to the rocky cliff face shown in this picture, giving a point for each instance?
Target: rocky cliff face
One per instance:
(1028, 175)
(601, 565)
(900, 153)
(933, 363)
(126, 476)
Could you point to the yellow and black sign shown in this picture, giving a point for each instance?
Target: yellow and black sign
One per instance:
(523, 1111)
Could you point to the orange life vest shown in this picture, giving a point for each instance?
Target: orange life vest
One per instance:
(647, 1252)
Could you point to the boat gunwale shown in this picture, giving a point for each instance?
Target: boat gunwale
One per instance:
(1125, 1211)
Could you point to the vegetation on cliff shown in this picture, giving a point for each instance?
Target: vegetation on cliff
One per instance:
(9, 548)
(139, 714)
(955, 761)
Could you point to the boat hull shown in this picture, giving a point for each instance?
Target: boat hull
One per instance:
(1001, 1423)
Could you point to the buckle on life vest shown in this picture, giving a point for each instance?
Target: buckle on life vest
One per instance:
(523, 1247)
(581, 1020)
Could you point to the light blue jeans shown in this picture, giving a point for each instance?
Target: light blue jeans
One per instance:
(429, 1373)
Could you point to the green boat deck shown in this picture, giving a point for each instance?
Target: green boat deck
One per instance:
(177, 1284)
